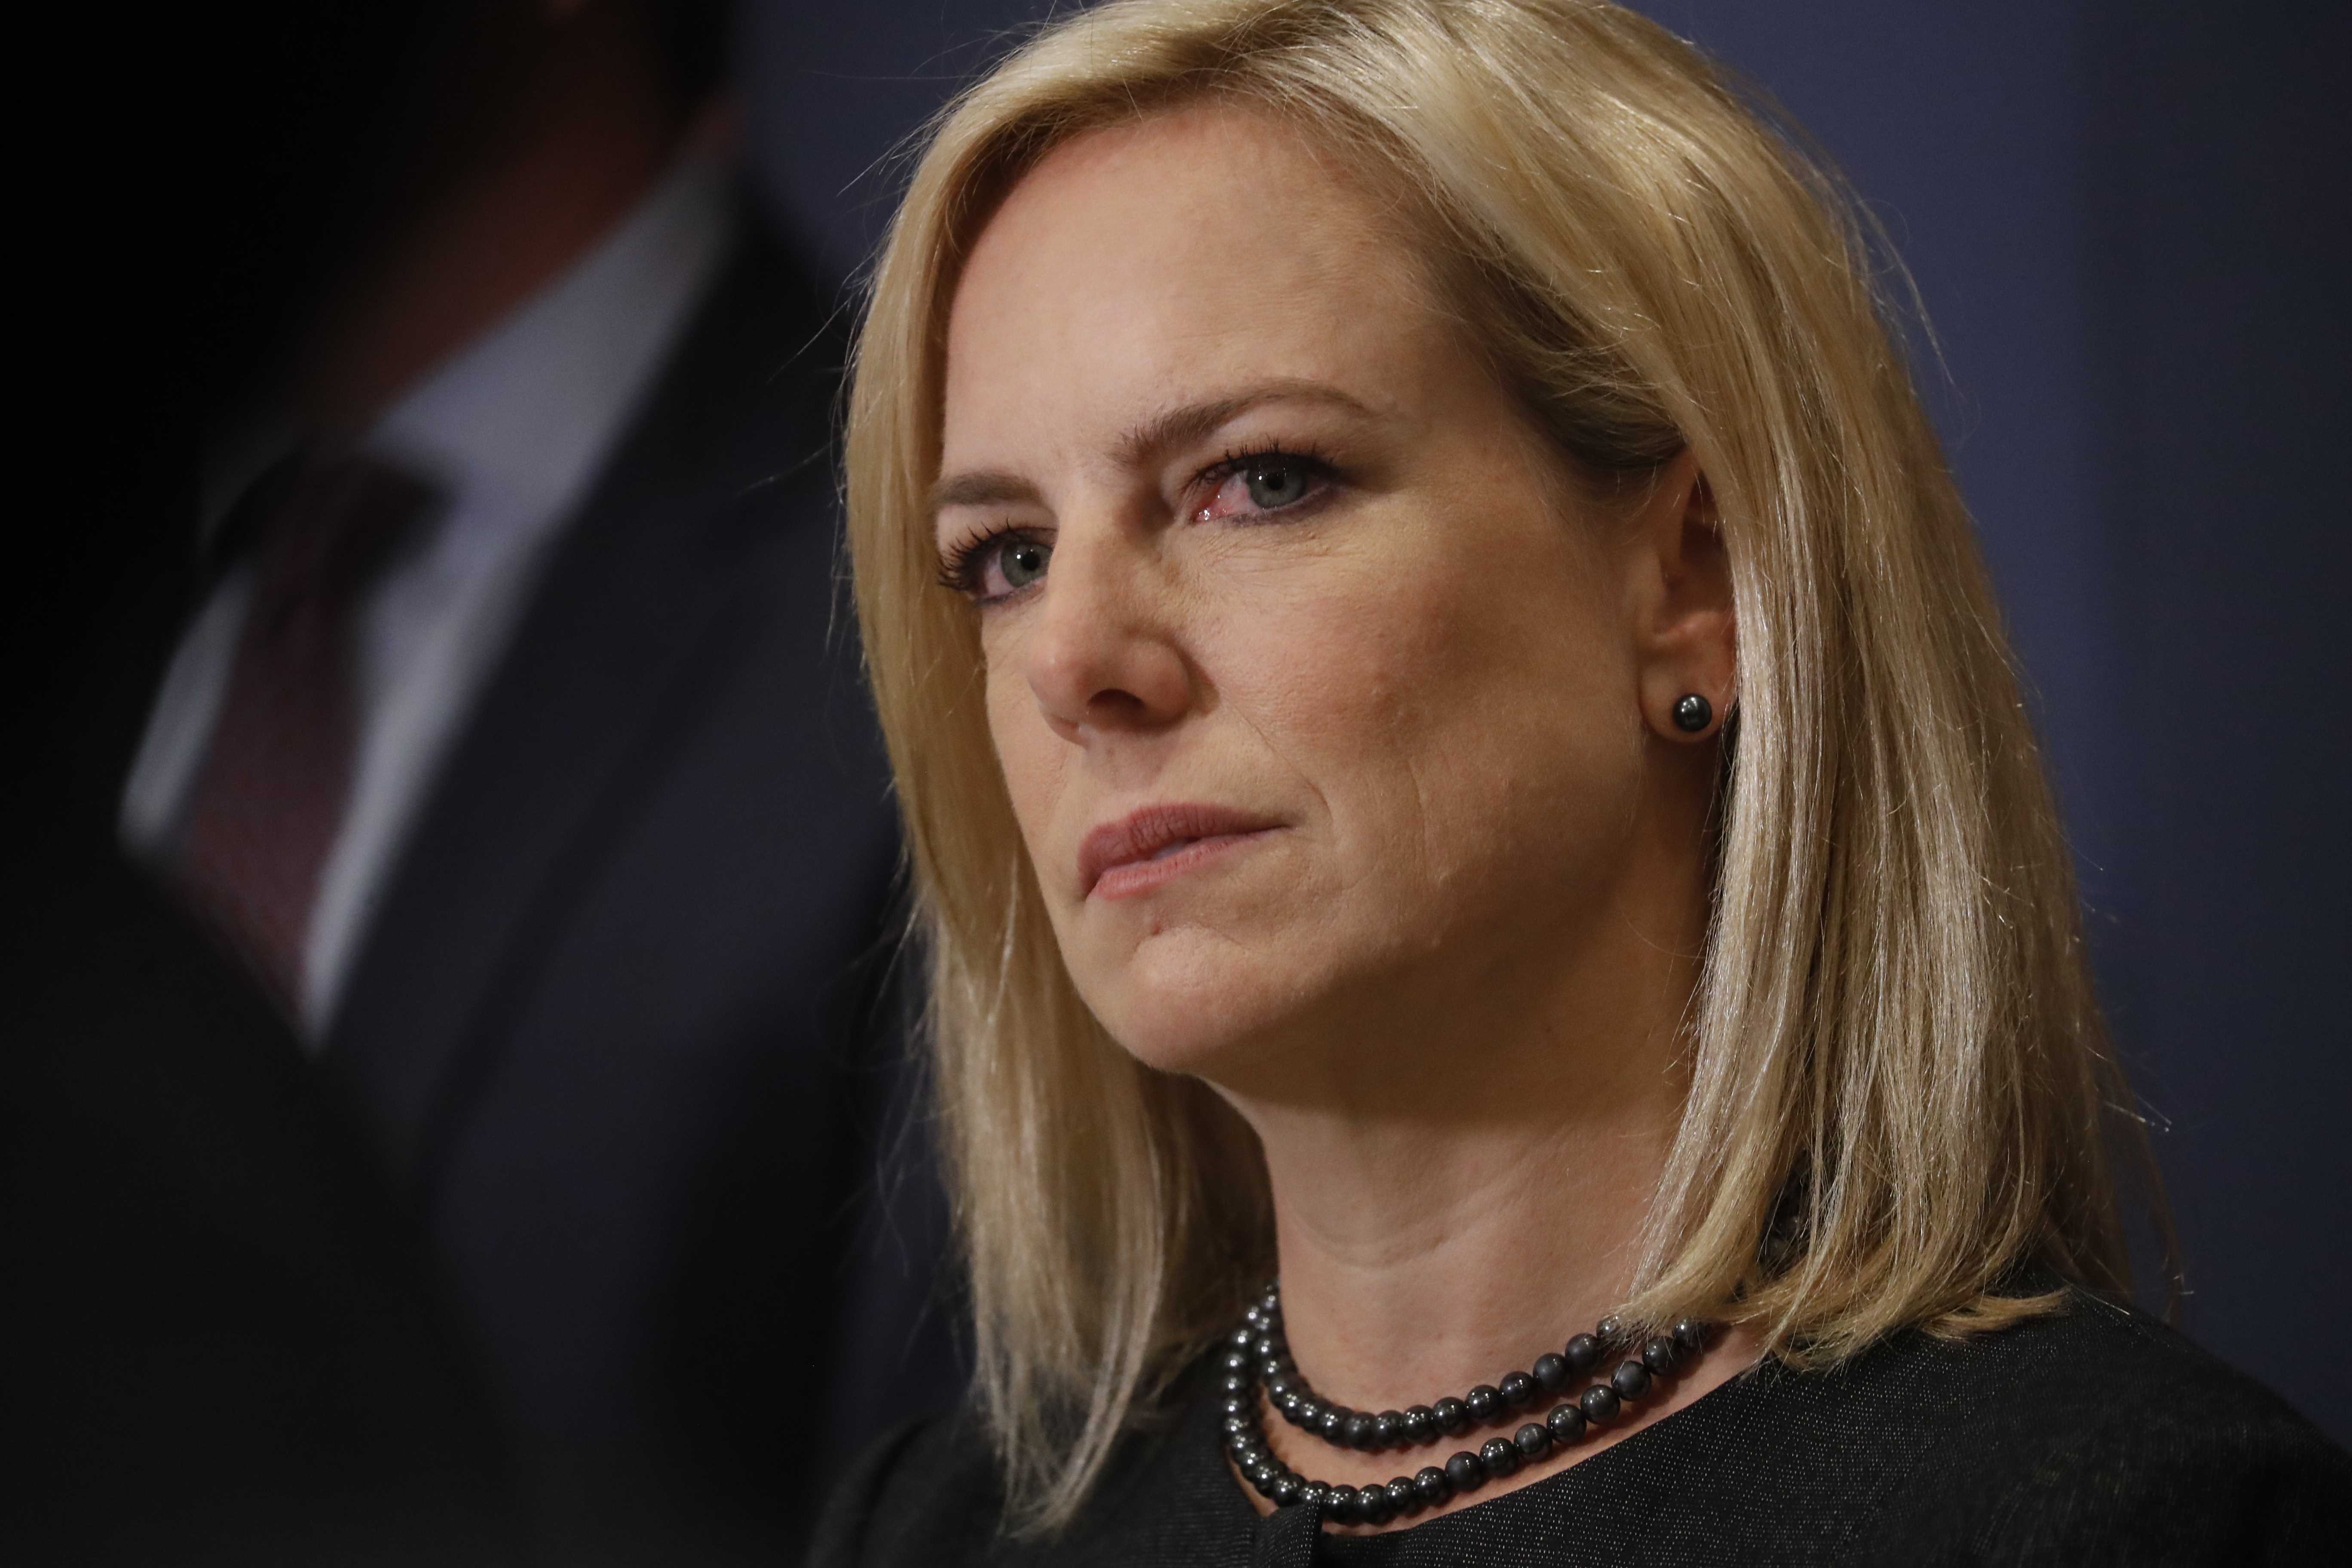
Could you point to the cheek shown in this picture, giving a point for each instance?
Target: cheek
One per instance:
(1028, 754)
(1456, 710)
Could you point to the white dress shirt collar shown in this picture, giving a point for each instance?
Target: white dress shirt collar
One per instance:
(530, 409)
(514, 428)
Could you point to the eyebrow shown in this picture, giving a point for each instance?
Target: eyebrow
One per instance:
(1194, 422)
(1176, 427)
(987, 488)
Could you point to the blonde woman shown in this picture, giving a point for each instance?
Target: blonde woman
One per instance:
(1506, 986)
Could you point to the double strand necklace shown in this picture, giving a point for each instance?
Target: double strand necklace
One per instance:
(1257, 1355)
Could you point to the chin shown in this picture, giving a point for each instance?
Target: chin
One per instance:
(1247, 1015)
(1196, 1001)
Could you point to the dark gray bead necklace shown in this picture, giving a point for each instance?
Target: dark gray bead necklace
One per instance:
(1257, 1355)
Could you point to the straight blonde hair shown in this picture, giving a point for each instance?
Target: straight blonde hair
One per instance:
(1900, 1084)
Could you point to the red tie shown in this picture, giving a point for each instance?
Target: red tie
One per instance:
(270, 794)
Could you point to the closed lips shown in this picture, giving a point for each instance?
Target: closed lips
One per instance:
(1155, 833)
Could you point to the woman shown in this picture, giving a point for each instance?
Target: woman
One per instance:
(1471, 813)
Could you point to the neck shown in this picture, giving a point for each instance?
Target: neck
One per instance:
(1460, 1186)
(1459, 1193)
(1423, 1253)
(585, 133)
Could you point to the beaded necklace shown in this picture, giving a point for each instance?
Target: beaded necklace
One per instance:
(1257, 1355)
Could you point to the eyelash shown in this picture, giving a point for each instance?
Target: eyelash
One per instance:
(1236, 459)
(961, 567)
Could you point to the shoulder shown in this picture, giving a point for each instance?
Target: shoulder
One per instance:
(2096, 1434)
(930, 1494)
(926, 1493)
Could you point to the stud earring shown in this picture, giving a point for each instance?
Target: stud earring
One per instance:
(1693, 713)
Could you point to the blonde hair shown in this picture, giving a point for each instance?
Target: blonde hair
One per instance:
(1900, 1084)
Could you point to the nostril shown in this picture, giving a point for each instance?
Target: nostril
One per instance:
(1114, 703)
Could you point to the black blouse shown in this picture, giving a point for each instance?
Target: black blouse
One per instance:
(2097, 1436)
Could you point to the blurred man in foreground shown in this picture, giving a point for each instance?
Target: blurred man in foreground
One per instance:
(514, 768)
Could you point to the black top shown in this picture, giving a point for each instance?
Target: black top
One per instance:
(2097, 1436)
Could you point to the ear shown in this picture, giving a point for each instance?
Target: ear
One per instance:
(1686, 637)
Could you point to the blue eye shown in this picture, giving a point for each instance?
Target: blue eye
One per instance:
(1023, 561)
(996, 566)
(1277, 480)
(1264, 484)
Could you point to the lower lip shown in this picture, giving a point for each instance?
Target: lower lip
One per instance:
(1140, 877)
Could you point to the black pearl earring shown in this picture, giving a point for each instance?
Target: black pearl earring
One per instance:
(1693, 713)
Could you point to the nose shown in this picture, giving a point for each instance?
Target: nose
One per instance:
(1102, 656)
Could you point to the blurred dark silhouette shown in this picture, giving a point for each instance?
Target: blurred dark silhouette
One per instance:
(452, 1081)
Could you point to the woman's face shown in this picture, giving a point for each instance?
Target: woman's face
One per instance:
(1316, 692)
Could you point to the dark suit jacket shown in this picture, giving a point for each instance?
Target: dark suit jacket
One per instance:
(624, 1024)
(610, 1274)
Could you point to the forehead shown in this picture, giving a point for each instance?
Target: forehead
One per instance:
(1170, 259)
